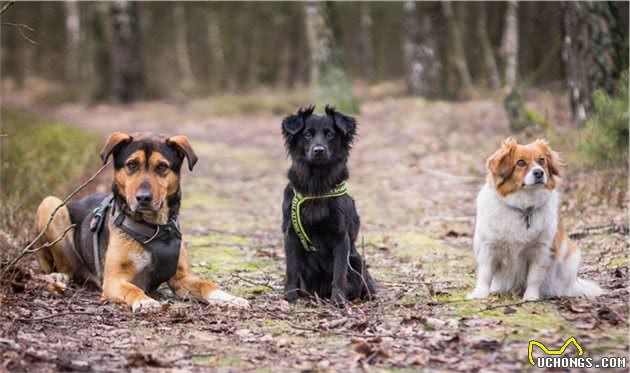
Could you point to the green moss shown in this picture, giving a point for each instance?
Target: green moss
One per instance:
(528, 322)
(619, 262)
(218, 361)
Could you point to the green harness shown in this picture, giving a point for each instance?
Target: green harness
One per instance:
(296, 220)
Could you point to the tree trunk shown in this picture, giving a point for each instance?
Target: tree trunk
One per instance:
(490, 64)
(73, 41)
(458, 56)
(366, 41)
(181, 44)
(127, 79)
(589, 53)
(509, 44)
(217, 55)
(422, 67)
(100, 21)
(319, 39)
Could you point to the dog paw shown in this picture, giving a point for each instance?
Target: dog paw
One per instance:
(145, 305)
(221, 297)
(531, 295)
(60, 277)
(478, 294)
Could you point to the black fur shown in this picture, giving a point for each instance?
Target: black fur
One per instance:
(319, 146)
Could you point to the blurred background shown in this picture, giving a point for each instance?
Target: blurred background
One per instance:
(435, 86)
(73, 71)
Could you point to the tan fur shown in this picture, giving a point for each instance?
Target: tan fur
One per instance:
(505, 173)
(185, 283)
(119, 266)
(120, 270)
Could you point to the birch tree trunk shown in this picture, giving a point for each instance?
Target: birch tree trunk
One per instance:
(490, 63)
(100, 25)
(319, 39)
(181, 44)
(366, 41)
(73, 41)
(509, 44)
(458, 56)
(127, 79)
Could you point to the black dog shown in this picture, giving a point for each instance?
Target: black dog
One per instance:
(320, 222)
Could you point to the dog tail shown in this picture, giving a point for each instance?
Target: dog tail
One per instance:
(586, 288)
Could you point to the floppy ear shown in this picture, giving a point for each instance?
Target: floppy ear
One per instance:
(501, 163)
(555, 164)
(182, 144)
(294, 123)
(346, 124)
(113, 144)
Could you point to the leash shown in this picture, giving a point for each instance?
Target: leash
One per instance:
(296, 219)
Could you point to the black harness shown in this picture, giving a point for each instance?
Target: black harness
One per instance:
(162, 241)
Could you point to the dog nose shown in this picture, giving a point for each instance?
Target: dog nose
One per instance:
(318, 150)
(538, 174)
(144, 197)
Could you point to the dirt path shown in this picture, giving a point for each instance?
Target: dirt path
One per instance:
(415, 173)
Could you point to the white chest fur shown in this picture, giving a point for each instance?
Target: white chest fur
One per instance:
(503, 222)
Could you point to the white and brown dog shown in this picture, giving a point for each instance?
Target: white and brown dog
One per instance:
(520, 243)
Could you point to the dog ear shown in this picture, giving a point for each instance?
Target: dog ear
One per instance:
(113, 144)
(294, 123)
(501, 163)
(182, 144)
(346, 124)
(555, 164)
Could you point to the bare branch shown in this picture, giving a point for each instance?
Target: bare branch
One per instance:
(19, 27)
(28, 249)
(6, 6)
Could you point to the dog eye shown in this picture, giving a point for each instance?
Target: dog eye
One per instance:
(133, 166)
(521, 163)
(541, 161)
(161, 168)
(330, 134)
(308, 135)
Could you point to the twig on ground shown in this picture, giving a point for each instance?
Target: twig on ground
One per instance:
(599, 229)
(512, 304)
(3, 135)
(235, 275)
(62, 314)
(28, 249)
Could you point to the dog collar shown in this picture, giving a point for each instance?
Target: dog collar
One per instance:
(527, 214)
(296, 219)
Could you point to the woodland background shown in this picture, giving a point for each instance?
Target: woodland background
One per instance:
(436, 86)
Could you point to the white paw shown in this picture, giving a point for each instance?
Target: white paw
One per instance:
(531, 295)
(146, 305)
(60, 277)
(221, 297)
(478, 294)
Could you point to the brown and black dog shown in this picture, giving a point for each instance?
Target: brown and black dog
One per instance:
(135, 228)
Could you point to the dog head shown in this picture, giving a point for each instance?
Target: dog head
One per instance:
(318, 139)
(516, 167)
(147, 168)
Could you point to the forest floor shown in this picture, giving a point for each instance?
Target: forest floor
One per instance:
(415, 172)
